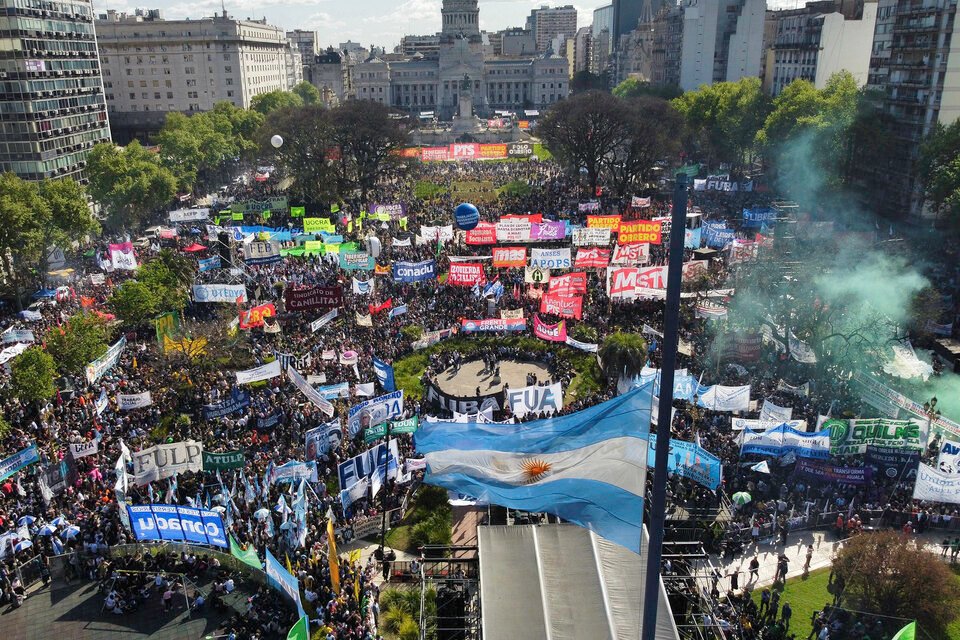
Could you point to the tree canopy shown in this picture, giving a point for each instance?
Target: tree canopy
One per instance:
(623, 353)
(307, 92)
(267, 103)
(129, 182)
(367, 138)
(79, 341)
(635, 88)
(305, 156)
(32, 375)
(939, 171)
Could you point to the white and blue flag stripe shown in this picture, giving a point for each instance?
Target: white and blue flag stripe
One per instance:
(588, 468)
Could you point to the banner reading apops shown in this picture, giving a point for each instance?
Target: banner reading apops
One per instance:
(638, 231)
(177, 524)
(166, 460)
(851, 437)
(228, 460)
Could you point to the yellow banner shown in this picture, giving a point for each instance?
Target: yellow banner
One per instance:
(316, 225)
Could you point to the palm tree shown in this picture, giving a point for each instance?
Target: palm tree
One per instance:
(623, 354)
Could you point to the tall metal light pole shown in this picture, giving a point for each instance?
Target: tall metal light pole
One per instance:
(671, 334)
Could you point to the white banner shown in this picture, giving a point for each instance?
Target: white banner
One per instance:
(263, 372)
(739, 424)
(551, 258)
(584, 237)
(374, 411)
(631, 254)
(513, 230)
(770, 411)
(801, 351)
(319, 401)
(18, 335)
(189, 215)
(130, 401)
(934, 486)
(83, 449)
(123, 260)
(720, 398)
(324, 320)
(219, 293)
(535, 399)
(949, 460)
(536, 275)
(364, 287)
(100, 366)
(166, 461)
(589, 347)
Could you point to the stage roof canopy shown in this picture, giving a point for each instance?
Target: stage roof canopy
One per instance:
(562, 582)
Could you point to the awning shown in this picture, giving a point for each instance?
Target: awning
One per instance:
(572, 585)
(194, 248)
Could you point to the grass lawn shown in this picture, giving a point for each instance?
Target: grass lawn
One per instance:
(808, 595)
(805, 595)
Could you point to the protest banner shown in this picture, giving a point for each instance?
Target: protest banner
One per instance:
(483, 233)
(255, 316)
(688, 460)
(569, 284)
(293, 472)
(104, 363)
(551, 258)
(23, 458)
(313, 297)
(548, 230)
(593, 258)
(189, 215)
(562, 305)
(493, 324)
(604, 222)
(374, 411)
(131, 401)
(639, 231)
(166, 460)
(536, 275)
(227, 460)
(539, 400)
(934, 486)
(631, 254)
(83, 449)
(263, 372)
(465, 274)
(318, 225)
(371, 465)
(549, 332)
(414, 271)
(509, 257)
(320, 440)
(851, 437)
(261, 252)
(237, 401)
(353, 260)
(829, 473)
(513, 230)
(172, 523)
(585, 237)
(232, 293)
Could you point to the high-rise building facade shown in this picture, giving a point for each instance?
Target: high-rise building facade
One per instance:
(722, 41)
(546, 23)
(52, 108)
(153, 66)
(306, 44)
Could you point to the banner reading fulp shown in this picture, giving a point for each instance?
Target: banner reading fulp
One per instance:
(180, 524)
(166, 460)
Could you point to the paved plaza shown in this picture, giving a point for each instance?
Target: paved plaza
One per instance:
(463, 382)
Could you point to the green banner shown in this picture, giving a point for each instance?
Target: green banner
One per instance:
(405, 426)
(228, 460)
(300, 631)
(297, 212)
(851, 437)
(373, 432)
(237, 216)
(692, 170)
(167, 324)
(247, 556)
(266, 214)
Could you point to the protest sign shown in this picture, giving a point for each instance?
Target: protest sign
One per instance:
(166, 460)
(535, 399)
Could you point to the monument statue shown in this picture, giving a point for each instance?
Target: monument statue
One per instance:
(465, 84)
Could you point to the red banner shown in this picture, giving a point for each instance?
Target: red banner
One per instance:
(464, 151)
(510, 257)
(433, 154)
(494, 151)
(483, 233)
(384, 306)
(639, 231)
(563, 306)
(551, 332)
(465, 274)
(591, 258)
(569, 284)
(533, 218)
(604, 222)
(254, 317)
(631, 254)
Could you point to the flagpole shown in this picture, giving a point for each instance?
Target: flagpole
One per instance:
(671, 332)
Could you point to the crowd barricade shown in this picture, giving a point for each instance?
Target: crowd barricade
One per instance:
(30, 571)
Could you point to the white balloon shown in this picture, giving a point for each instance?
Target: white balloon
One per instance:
(276, 141)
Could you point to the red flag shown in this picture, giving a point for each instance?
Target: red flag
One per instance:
(384, 306)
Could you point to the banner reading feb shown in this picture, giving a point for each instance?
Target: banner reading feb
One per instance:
(639, 231)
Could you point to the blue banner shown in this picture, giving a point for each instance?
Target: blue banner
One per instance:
(691, 238)
(688, 460)
(237, 401)
(179, 524)
(341, 390)
(384, 374)
(415, 271)
(780, 441)
(717, 236)
(350, 260)
(756, 218)
(17, 461)
(210, 264)
(281, 580)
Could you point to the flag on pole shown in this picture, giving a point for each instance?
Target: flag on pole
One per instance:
(300, 631)
(909, 632)
(247, 556)
(332, 553)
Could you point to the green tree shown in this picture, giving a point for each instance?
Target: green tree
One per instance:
(723, 119)
(32, 375)
(806, 134)
(623, 353)
(938, 168)
(307, 92)
(635, 88)
(887, 573)
(130, 183)
(653, 129)
(267, 103)
(169, 276)
(583, 130)
(305, 155)
(367, 138)
(70, 215)
(79, 341)
(134, 302)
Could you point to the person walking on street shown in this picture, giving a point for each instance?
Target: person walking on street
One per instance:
(764, 602)
(785, 614)
(754, 569)
(806, 563)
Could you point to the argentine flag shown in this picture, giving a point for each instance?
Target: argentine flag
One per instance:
(588, 468)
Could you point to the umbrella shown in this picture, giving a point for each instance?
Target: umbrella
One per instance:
(70, 532)
(47, 530)
(261, 514)
(59, 521)
(26, 520)
(22, 545)
(741, 498)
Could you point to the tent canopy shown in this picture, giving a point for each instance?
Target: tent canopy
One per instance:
(563, 582)
(193, 248)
